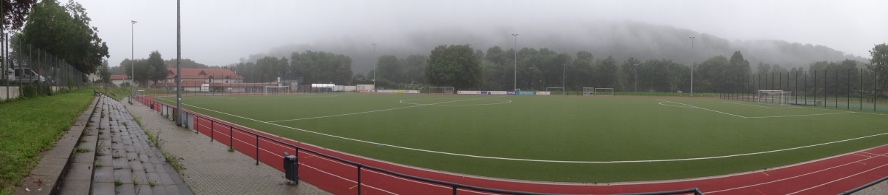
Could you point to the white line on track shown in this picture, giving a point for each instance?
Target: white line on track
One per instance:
(793, 177)
(371, 111)
(836, 180)
(542, 160)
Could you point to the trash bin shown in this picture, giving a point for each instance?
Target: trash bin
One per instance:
(291, 168)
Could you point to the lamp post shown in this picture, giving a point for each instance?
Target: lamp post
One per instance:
(692, 65)
(636, 78)
(515, 73)
(374, 67)
(132, 60)
(179, 112)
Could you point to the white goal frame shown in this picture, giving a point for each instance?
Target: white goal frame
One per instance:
(442, 90)
(587, 91)
(276, 90)
(774, 96)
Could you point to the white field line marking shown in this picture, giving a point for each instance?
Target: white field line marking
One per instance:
(751, 117)
(668, 104)
(541, 160)
(788, 178)
(488, 104)
(716, 111)
(738, 103)
(840, 179)
(371, 111)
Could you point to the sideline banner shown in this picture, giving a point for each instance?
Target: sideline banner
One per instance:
(542, 93)
(482, 92)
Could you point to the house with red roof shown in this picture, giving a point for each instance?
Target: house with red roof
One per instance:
(218, 79)
(120, 79)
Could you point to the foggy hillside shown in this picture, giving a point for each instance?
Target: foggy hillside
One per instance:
(619, 39)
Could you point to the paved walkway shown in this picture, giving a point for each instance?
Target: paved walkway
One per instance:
(208, 167)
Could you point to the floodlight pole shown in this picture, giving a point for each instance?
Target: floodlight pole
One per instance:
(374, 67)
(515, 73)
(636, 79)
(132, 60)
(692, 65)
(178, 67)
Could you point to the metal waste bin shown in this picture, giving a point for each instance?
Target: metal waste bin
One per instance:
(291, 168)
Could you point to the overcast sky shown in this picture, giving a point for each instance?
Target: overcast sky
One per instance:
(221, 32)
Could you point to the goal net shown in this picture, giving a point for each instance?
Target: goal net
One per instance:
(272, 90)
(774, 96)
(598, 91)
(442, 90)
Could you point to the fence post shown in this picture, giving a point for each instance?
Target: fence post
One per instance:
(211, 131)
(454, 190)
(359, 179)
(257, 149)
(230, 137)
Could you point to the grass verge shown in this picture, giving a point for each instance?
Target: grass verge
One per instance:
(32, 126)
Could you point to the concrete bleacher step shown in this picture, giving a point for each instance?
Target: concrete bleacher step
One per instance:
(115, 156)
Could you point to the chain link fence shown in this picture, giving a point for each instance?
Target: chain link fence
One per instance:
(29, 71)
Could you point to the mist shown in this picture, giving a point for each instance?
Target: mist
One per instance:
(621, 40)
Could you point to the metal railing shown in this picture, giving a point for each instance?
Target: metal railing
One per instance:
(197, 125)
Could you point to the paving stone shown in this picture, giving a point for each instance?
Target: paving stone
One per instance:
(103, 174)
(126, 188)
(123, 175)
(76, 187)
(103, 188)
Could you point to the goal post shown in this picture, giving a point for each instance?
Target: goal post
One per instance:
(604, 91)
(271, 90)
(441, 90)
(774, 96)
(598, 91)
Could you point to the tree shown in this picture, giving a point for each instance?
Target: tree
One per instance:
(157, 70)
(65, 33)
(607, 72)
(454, 65)
(15, 12)
(735, 76)
(390, 69)
(105, 72)
(879, 64)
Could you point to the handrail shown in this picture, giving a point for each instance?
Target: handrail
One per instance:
(859, 188)
(454, 186)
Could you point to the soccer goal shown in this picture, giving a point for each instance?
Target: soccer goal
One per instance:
(272, 90)
(598, 91)
(774, 96)
(442, 90)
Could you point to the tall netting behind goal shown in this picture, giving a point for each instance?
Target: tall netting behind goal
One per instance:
(441, 90)
(272, 90)
(775, 96)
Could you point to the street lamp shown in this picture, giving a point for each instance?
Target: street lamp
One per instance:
(374, 67)
(132, 60)
(515, 76)
(692, 65)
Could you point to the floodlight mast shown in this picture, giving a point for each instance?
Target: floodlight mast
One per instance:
(178, 67)
(374, 67)
(515, 76)
(692, 65)
(132, 60)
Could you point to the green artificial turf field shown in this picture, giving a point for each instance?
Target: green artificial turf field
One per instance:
(558, 138)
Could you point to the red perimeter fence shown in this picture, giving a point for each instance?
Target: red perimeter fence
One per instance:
(333, 174)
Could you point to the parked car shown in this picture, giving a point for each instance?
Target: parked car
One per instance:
(28, 76)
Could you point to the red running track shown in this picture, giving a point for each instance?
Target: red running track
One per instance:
(826, 176)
